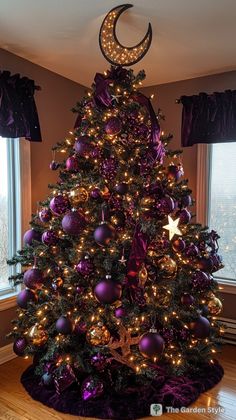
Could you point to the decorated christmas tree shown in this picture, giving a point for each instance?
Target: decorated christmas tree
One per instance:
(119, 306)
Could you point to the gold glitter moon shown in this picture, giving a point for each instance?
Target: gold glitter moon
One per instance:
(112, 49)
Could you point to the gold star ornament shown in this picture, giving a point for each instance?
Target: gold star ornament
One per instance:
(172, 227)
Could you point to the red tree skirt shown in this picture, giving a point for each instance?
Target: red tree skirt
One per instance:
(135, 403)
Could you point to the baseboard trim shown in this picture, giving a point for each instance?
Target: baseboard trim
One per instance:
(6, 354)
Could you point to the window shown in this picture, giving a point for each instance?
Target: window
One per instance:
(222, 203)
(10, 208)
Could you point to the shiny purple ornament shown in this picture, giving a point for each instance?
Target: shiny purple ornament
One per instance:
(201, 327)
(49, 237)
(151, 345)
(73, 223)
(103, 234)
(113, 126)
(109, 168)
(30, 236)
(187, 299)
(204, 264)
(24, 297)
(98, 361)
(178, 245)
(83, 145)
(191, 250)
(120, 312)
(64, 325)
(92, 387)
(122, 188)
(33, 278)
(184, 216)
(19, 346)
(85, 267)
(79, 289)
(201, 280)
(45, 215)
(186, 201)
(165, 205)
(72, 164)
(59, 205)
(54, 165)
(95, 193)
(107, 291)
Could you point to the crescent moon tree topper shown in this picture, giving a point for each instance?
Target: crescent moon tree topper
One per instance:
(114, 52)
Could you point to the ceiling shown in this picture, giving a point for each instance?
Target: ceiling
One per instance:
(191, 38)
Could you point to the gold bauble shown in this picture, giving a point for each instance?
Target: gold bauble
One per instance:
(98, 335)
(168, 267)
(79, 195)
(37, 335)
(215, 305)
(142, 276)
(146, 203)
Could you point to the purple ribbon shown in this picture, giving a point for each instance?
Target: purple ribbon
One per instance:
(102, 95)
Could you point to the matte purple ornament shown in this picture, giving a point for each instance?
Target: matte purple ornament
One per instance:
(103, 234)
(59, 204)
(184, 216)
(33, 278)
(201, 327)
(64, 325)
(165, 205)
(108, 291)
(187, 299)
(73, 223)
(109, 168)
(72, 164)
(54, 165)
(151, 345)
(178, 245)
(186, 201)
(24, 297)
(85, 267)
(83, 145)
(191, 250)
(95, 193)
(120, 312)
(49, 237)
(92, 387)
(45, 215)
(30, 236)
(113, 126)
(122, 188)
(19, 346)
(98, 361)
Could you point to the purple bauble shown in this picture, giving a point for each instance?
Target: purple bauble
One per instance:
(165, 205)
(184, 216)
(151, 345)
(79, 289)
(201, 280)
(186, 201)
(72, 164)
(109, 168)
(191, 250)
(201, 327)
(204, 310)
(33, 278)
(113, 126)
(24, 297)
(83, 145)
(174, 172)
(120, 312)
(73, 223)
(54, 165)
(19, 346)
(108, 291)
(64, 325)
(178, 245)
(30, 236)
(92, 387)
(187, 299)
(49, 237)
(59, 205)
(95, 193)
(45, 215)
(103, 234)
(85, 267)
(122, 188)
(204, 264)
(98, 361)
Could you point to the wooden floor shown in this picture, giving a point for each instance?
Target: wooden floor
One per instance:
(15, 403)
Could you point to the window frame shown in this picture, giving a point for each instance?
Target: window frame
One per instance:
(18, 153)
(204, 153)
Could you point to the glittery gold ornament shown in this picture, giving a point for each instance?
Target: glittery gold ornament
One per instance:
(215, 305)
(37, 335)
(98, 335)
(168, 267)
(146, 203)
(79, 195)
(142, 276)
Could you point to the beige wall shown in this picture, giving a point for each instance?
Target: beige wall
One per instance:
(54, 101)
(165, 96)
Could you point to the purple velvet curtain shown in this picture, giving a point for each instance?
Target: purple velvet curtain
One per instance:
(209, 118)
(18, 112)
